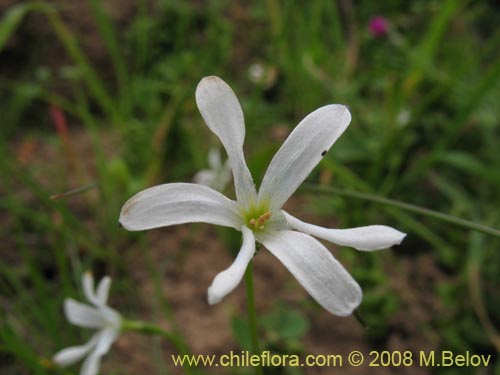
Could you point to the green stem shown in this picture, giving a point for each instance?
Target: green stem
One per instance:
(153, 329)
(405, 206)
(252, 313)
(163, 301)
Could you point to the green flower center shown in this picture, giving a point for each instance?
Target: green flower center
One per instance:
(257, 216)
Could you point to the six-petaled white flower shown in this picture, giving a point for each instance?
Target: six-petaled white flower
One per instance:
(259, 215)
(98, 316)
(218, 174)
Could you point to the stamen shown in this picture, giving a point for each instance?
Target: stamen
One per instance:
(259, 223)
(264, 217)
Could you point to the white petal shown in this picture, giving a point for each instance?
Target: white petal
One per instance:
(70, 355)
(301, 152)
(227, 280)
(214, 161)
(103, 290)
(113, 318)
(83, 315)
(315, 268)
(373, 237)
(222, 113)
(222, 177)
(204, 177)
(91, 364)
(106, 338)
(88, 287)
(178, 203)
(73, 354)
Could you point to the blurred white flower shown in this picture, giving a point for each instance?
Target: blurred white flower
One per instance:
(256, 73)
(259, 215)
(403, 118)
(262, 75)
(99, 316)
(218, 174)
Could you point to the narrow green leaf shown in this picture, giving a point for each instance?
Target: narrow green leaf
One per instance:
(406, 207)
(11, 21)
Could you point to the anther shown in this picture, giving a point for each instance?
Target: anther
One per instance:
(263, 218)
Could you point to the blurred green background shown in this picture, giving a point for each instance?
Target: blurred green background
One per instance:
(98, 96)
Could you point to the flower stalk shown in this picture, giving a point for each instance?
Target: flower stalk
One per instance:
(252, 313)
(152, 329)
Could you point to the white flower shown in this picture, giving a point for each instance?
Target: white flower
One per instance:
(218, 174)
(259, 215)
(403, 118)
(256, 72)
(99, 316)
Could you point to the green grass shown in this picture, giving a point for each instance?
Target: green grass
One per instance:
(425, 132)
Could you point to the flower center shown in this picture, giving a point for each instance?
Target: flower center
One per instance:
(256, 217)
(258, 224)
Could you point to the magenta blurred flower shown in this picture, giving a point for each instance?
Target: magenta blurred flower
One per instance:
(378, 26)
